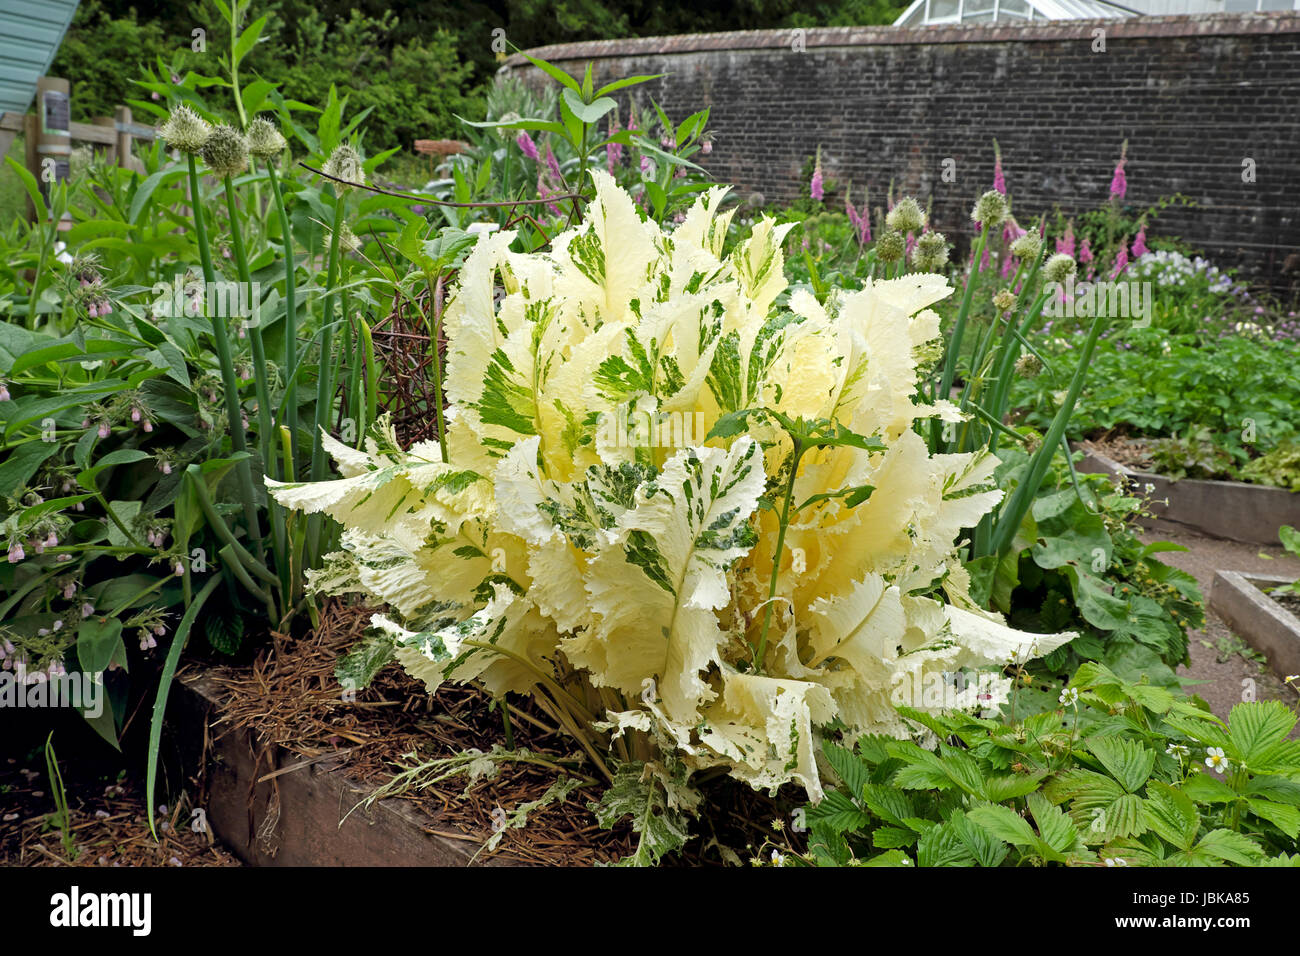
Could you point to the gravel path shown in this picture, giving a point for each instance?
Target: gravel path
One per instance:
(1223, 665)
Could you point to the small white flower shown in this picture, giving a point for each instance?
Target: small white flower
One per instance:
(1177, 750)
(476, 228)
(778, 858)
(1116, 861)
(1069, 696)
(1215, 760)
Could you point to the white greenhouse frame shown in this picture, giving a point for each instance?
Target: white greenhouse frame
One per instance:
(928, 12)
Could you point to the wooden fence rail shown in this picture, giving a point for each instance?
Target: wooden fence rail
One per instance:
(49, 133)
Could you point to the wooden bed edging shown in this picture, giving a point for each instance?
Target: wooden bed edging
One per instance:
(303, 826)
(1220, 509)
(1259, 620)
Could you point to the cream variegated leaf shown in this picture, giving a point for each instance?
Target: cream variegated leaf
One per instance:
(656, 590)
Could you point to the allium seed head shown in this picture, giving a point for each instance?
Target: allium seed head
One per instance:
(345, 164)
(906, 216)
(990, 209)
(891, 246)
(931, 252)
(186, 130)
(264, 139)
(1028, 247)
(226, 151)
(1004, 301)
(1059, 268)
(1028, 366)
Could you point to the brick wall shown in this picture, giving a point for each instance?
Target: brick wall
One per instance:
(1194, 96)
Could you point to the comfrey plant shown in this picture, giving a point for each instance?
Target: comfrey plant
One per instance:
(674, 604)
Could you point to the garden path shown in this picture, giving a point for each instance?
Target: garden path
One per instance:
(1220, 659)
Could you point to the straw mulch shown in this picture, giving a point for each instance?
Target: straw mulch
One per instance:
(289, 698)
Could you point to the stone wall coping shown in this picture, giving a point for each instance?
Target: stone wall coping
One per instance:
(1210, 24)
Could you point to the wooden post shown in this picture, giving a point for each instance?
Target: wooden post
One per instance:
(122, 118)
(54, 134)
(108, 152)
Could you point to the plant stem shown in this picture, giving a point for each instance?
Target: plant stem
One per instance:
(435, 335)
(958, 330)
(265, 436)
(1022, 498)
(290, 320)
(796, 455)
(324, 371)
(231, 386)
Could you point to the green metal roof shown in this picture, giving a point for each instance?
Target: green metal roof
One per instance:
(30, 34)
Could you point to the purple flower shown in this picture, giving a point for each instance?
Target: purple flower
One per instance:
(1140, 243)
(1085, 252)
(553, 165)
(527, 146)
(861, 221)
(999, 181)
(1119, 182)
(614, 151)
(1066, 243)
(1121, 260)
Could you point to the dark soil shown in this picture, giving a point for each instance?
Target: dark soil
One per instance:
(1290, 601)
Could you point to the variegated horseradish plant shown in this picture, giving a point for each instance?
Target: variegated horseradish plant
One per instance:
(692, 600)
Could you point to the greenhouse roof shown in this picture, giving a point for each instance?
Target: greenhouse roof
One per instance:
(926, 12)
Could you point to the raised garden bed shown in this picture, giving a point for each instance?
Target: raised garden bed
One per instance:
(292, 813)
(284, 758)
(1263, 622)
(1221, 509)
